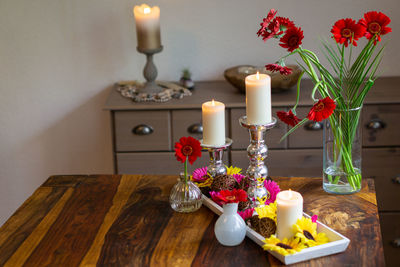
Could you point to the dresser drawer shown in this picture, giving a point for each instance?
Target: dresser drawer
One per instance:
(382, 164)
(295, 162)
(390, 226)
(307, 136)
(381, 125)
(241, 137)
(157, 163)
(142, 131)
(189, 123)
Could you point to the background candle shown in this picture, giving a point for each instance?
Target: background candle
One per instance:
(213, 113)
(289, 210)
(258, 99)
(147, 26)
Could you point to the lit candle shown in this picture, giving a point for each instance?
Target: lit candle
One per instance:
(258, 98)
(147, 26)
(213, 113)
(289, 210)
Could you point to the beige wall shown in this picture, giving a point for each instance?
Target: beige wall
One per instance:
(59, 57)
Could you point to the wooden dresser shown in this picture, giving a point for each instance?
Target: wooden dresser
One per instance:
(144, 135)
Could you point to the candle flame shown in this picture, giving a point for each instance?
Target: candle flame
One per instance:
(258, 75)
(213, 102)
(290, 194)
(146, 10)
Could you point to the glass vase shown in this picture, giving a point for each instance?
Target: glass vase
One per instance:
(230, 229)
(185, 196)
(342, 152)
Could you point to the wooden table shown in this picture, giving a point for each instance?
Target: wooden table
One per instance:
(126, 220)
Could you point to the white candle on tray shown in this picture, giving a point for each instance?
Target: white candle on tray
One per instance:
(258, 99)
(289, 210)
(147, 26)
(213, 114)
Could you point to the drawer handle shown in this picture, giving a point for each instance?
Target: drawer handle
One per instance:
(196, 128)
(396, 243)
(396, 180)
(313, 126)
(143, 129)
(376, 124)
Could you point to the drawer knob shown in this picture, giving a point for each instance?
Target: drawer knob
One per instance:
(142, 129)
(196, 128)
(396, 243)
(376, 124)
(313, 126)
(396, 180)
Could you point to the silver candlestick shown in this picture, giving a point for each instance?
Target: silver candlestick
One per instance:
(257, 151)
(216, 167)
(150, 72)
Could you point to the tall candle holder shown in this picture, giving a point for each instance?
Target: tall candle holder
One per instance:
(216, 167)
(257, 151)
(150, 72)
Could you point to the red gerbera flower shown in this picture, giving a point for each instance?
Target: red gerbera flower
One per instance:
(228, 196)
(347, 30)
(284, 23)
(375, 24)
(277, 67)
(292, 38)
(187, 147)
(266, 21)
(288, 117)
(322, 109)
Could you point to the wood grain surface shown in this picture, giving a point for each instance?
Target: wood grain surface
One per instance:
(126, 220)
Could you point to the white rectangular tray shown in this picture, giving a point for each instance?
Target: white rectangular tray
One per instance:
(338, 243)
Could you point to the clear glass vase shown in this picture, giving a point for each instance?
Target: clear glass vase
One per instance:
(185, 196)
(342, 152)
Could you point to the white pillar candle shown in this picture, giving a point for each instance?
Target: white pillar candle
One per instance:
(289, 210)
(213, 113)
(258, 99)
(147, 26)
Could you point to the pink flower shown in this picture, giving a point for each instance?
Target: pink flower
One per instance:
(246, 214)
(314, 218)
(273, 189)
(238, 177)
(200, 175)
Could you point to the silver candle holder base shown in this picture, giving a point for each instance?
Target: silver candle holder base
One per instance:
(150, 72)
(257, 152)
(216, 167)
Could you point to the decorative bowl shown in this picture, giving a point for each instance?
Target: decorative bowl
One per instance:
(236, 76)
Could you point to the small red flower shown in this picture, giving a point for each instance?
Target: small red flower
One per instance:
(292, 39)
(314, 218)
(277, 67)
(322, 109)
(288, 117)
(229, 196)
(375, 24)
(284, 23)
(187, 147)
(347, 31)
(264, 25)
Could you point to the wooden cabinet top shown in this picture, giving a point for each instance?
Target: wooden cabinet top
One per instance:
(385, 90)
(126, 220)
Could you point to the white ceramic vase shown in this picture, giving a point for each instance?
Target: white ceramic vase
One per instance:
(230, 229)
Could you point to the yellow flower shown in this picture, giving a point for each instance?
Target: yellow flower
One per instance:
(233, 170)
(268, 211)
(284, 247)
(306, 230)
(206, 183)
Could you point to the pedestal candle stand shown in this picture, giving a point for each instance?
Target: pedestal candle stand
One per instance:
(150, 72)
(216, 167)
(257, 152)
